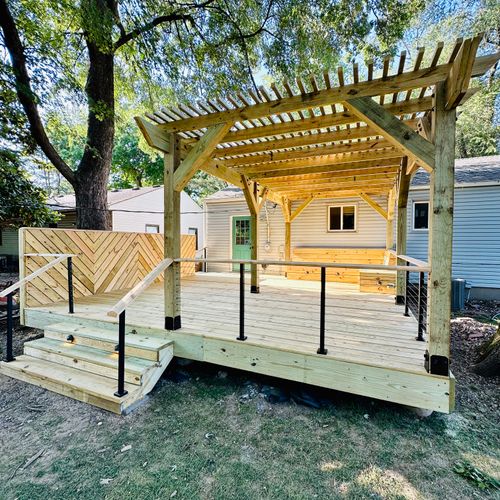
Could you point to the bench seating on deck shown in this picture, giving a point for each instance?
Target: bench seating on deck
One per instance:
(373, 281)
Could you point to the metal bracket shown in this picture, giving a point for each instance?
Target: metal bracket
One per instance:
(172, 323)
(437, 365)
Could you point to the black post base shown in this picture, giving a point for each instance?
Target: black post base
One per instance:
(119, 394)
(254, 289)
(172, 323)
(8, 359)
(420, 339)
(400, 299)
(241, 338)
(437, 365)
(322, 351)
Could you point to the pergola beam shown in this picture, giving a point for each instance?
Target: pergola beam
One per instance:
(324, 121)
(317, 165)
(336, 193)
(370, 201)
(460, 72)
(154, 135)
(362, 147)
(395, 131)
(331, 172)
(199, 154)
(301, 208)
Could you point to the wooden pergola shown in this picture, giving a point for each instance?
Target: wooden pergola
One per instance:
(320, 138)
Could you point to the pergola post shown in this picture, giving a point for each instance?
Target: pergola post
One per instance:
(402, 228)
(441, 234)
(286, 208)
(389, 232)
(251, 192)
(172, 236)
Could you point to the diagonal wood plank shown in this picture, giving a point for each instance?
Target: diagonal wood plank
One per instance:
(394, 130)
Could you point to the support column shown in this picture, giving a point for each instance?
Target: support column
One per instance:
(172, 237)
(254, 234)
(401, 234)
(286, 208)
(441, 235)
(389, 231)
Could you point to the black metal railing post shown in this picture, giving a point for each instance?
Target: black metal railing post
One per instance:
(70, 286)
(241, 336)
(322, 349)
(121, 356)
(407, 291)
(420, 307)
(10, 327)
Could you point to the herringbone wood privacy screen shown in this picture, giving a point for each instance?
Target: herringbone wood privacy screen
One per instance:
(105, 261)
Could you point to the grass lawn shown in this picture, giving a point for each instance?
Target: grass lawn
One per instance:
(216, 437)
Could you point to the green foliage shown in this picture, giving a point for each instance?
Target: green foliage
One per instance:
(21, 203)
(131, 166)
(203, 185)
(478, 132)
(476, 476)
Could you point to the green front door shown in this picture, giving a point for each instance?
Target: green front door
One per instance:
(241, 240)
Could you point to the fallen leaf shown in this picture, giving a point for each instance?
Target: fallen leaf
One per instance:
(106, 480)
(173, 494)
(126, 448)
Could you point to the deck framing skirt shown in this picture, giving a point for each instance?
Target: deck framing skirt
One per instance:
(417, 389)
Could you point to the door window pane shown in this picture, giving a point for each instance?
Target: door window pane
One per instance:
(242, 232)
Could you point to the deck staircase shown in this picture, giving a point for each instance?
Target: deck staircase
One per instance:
(80, 362)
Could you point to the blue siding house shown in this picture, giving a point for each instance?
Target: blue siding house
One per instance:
(476, 226)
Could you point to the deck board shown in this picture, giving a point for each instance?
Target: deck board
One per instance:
(360, 327)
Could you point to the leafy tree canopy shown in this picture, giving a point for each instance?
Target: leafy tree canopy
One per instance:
(21, 203)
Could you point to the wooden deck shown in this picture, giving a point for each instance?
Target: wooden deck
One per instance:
(371, 346)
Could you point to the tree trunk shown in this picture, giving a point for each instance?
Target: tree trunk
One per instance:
(92, 176)
(489, 357)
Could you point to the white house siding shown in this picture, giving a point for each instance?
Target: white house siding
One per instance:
(135, 213)
(476, 234)
(308, 229)
(218, 240)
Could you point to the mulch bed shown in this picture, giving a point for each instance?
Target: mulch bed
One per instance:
(468, 333)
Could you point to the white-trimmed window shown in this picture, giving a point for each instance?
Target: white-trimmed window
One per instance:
(342, 218)
(152, 228)
(420, 215)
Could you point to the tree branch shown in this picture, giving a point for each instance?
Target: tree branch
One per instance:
(175, 16)
(26, 95)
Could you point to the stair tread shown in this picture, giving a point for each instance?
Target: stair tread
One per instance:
(91, 354)
(95, 385)
(146, 342)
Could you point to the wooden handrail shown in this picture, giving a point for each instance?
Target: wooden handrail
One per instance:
(420, 268)
(411, 260)
(132, 294)
(33, 275)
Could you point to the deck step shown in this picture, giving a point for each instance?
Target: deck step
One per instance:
(77, 384)
(137, 345)
(89, 359)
